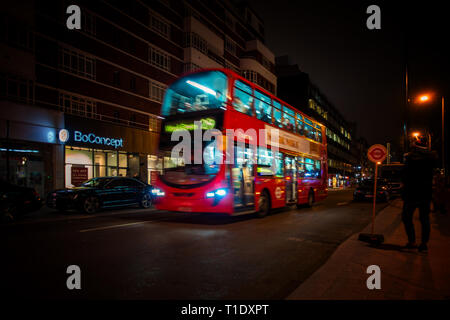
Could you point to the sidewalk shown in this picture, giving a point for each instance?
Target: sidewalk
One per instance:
(404, 275)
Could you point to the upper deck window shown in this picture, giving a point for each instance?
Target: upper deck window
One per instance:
(243, 99)
(199, 91)
(263, 107)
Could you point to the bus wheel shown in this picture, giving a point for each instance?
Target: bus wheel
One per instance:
(263, 205)
(310, 198)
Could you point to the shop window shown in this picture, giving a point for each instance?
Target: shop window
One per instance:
(99, 164)
(243, 100)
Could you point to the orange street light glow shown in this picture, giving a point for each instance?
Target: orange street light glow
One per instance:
(416, 134)
(424, 98)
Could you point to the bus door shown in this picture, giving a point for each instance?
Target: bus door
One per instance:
(290, 177)
(243, 177)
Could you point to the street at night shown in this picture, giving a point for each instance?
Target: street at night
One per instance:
(145, 254)
(224, 158)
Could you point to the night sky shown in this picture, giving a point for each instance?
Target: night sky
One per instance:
(361, 71)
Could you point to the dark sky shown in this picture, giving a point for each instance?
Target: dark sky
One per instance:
(360, 70)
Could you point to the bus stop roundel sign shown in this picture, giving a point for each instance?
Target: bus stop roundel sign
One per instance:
(377, 153)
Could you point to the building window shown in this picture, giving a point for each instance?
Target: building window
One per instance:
(232, 67)
(15, 35)
(154, 124)
(88, 23)
(159, 26)
(250, 75)
(230, 46)
(156, 91)
(266, 63)
(189, 67)
(229, 21)
(116, 78)
(16, 88)
(77, 105)
(192, 39)
(158, 58)
(77, 63)
(116, 116)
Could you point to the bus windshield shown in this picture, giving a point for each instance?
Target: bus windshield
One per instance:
(199, 91)
(180, 174)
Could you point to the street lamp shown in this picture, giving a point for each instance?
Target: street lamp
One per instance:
(424, 98)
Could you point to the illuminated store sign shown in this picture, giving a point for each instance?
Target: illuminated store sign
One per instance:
(79, 136)
(92, 138)
(206, 124)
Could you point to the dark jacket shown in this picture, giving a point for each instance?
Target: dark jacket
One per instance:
(417, 175)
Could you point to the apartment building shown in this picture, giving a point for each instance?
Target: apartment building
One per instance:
(296, 88)
(76, 104)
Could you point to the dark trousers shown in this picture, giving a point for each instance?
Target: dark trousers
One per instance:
(424, 215)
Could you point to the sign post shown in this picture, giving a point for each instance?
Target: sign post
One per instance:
(377, 154)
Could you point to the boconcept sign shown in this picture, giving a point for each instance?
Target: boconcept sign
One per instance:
(79, 136)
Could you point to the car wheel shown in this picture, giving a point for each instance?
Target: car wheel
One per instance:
(146, 201)
(263, 205)
(310, 198)
(91, 204)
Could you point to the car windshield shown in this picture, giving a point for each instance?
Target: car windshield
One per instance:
(199, 91)
(96, 182)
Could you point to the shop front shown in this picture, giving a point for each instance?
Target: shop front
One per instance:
(99, 149)
(30, 154)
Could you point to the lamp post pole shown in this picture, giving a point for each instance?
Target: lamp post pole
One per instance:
(443, 137)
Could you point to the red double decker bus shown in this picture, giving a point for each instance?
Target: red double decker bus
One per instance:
(246, 172)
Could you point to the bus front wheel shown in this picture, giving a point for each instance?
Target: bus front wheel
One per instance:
(263, 205)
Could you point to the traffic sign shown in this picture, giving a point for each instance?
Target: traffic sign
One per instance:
(377, 153)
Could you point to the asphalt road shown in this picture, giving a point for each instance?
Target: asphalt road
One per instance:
(145, 254)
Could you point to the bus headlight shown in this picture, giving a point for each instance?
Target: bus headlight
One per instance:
(158, 192)
(217, 193)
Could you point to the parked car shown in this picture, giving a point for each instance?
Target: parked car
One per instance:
(17, 200)
(364, 191)
(104, 192)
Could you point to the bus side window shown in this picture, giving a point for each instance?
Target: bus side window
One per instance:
(243, 99)
(317, 172)
(279, 168)
(277, 117)
(300, 167)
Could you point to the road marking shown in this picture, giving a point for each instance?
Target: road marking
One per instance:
(115, 226)
(343, 203)
(68, 217)
(295, 239)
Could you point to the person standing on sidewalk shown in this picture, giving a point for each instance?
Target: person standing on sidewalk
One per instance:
(417, 179)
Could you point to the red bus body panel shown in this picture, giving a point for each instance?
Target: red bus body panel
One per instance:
(194, 199)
